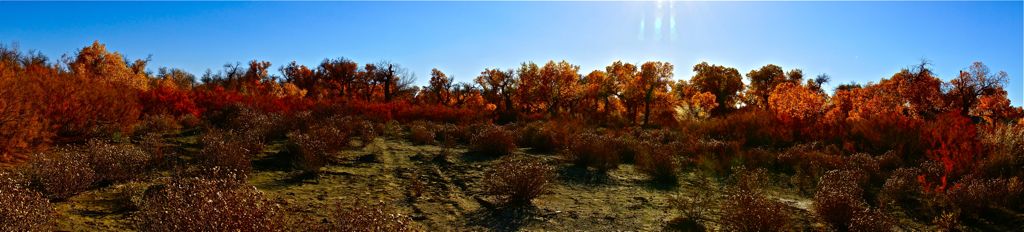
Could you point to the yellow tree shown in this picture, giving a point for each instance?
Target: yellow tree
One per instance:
(95, 62)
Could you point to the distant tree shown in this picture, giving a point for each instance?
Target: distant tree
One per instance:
(95, 62)
(725, 83)
(598, 89)
(560, 80)
(764, 80)
(440, 86)
(180, 78)
(340, 77)
(654, 79)
(794, 103)
(816, 83)
(499, 87)
(625, 75)
(531, 92)
(965, 91)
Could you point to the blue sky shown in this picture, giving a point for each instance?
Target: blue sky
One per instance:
(851, 41)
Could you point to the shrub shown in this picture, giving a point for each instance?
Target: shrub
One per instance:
(365, 218)
(226, 149)
(901, 187)
(493, 141)
(839, 197)
(308, 153)
(544, 137)
(1007, 151)
(592, 150)
(157, 124)
(130, 195)
(198, 204)
(974, 195)
(871, 221)
(517, 180)
(659, 163)
(951, 141)
(421, 134)
(116, 162)
(61, 173)
(747, 210)
(717, 156)
(22, 209)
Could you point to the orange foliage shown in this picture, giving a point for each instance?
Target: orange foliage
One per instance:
(795, 103)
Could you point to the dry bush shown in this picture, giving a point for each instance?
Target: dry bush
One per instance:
(61, 173)
(658, 161)
(198, 204)
(1006, 155)
(717, 156)
(353, 127)
(698, 206)
(493, 141)
(592, 150)
(975, 195)
(370, 218)
(130, 196)
(309, 153)
(158, 124)
(839, 197)
(543, 137)
(747, 210)
(116, 162)
(228, 150)
(517, 180)
(22, 209)
(901, 187)
(421, 134)
(871, 221)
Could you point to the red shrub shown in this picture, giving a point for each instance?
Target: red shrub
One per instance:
(747, 210)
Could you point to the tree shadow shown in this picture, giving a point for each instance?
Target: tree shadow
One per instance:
(502, 218)
(581, 175)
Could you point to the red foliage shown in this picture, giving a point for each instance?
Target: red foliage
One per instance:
(952, 141)
(167, 100)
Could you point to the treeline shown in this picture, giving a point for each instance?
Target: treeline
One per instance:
(97, 93)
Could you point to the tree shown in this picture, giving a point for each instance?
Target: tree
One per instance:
(440, 86)
(339, 77)
(94, 62)
(560, 80)
(499, 87)
(180, 78)
(598, 88)
(966, 89)
(531, 88)
(794, 103)
(764, 80)
(725, 83)
(624, 75)
(654, 78)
